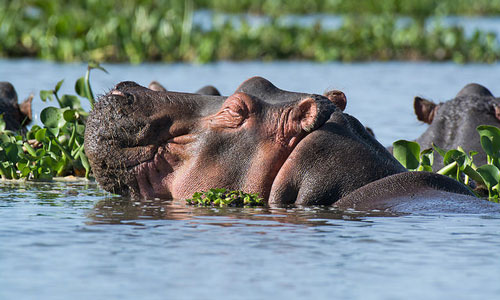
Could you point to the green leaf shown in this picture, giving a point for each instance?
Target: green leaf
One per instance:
(439, 150)
(12, 152)
(52, 117)
(40, 135)
(70, 101)
(469, 171)
(54, 131)
(427, 158)
(80, 88)
(493, 134)
(46, 95)
(29, 149)
(40, 152)
(58, 86)
(449, 170)
(70, 115)
(24, 169)
(48, 162)
(457, 156)
(96, 65)
(425, 168)
(490, 131)
(2, 123)
(85, 164)
(487, 145)
(5, 138)
(80, 130)
(490, 175)
(407, 153)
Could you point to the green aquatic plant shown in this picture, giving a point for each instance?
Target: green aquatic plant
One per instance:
(409, 155)
(458, 164)
(223, 197)
(57, 148)
(145, 30)
(420, 8)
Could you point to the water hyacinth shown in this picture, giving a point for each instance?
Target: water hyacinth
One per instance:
(223, 198)
(458, 164)
(57, 148)
(146, 30)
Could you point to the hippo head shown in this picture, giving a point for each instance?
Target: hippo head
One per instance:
(16, 116)
(288, 147)
(453, 123)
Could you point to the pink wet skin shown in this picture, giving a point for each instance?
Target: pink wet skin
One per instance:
(186, 164)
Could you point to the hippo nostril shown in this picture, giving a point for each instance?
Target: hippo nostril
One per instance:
(118, 93)
(129, 97)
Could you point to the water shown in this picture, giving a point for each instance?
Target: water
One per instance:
(206, 19)
(71, 240)
(380, 95)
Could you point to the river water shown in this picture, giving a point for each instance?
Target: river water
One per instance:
(71, 240)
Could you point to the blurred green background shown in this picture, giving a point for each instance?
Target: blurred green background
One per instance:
(146, 30)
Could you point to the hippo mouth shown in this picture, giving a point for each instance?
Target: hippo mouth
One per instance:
(154, 172)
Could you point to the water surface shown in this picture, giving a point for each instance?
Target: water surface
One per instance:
(380, 95)
(71, 240)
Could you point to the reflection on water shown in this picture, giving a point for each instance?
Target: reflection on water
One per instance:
(61, 240)
(119, 211)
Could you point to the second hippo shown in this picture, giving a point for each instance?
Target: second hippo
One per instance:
(453, 123)
(15, 116)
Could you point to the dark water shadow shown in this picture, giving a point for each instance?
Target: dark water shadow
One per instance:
(104, 208)
(124, 211)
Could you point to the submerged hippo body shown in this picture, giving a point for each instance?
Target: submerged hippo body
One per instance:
(16, 116)
(453, 123)
(291, 148)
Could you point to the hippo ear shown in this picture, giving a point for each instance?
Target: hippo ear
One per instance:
(25, 109)
(297, 120)
(209, 90)
(234, 112)
(497, 111)
(424, 109)
(156, 86)
(338, 98)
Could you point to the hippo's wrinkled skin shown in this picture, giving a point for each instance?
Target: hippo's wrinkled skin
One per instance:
(291, 148)
(16, 116)
(453, 123)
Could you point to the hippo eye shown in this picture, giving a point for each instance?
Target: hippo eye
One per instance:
(130, 98)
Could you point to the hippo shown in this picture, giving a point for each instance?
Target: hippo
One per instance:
(453, 123)
(16, 116)
(292, 148)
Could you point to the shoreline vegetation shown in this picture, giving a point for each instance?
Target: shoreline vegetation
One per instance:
(147, 30)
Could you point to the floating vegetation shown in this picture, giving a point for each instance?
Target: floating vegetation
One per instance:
(223, 198)
(422, 8)
(145, 30)
(458, 164)
(57, 148)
